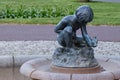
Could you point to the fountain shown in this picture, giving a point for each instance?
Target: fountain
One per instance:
(74, 60)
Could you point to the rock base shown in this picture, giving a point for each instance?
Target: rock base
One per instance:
(74, 57)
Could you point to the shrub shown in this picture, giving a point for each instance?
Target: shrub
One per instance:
(35, 12)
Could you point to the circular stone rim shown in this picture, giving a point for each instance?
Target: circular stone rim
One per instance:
(28, 70)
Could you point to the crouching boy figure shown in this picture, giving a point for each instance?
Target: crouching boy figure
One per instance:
(67, 27)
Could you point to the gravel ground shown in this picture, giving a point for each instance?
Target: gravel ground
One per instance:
(48, 47)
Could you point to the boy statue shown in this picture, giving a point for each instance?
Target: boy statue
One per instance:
(76, 51)
(67, 27)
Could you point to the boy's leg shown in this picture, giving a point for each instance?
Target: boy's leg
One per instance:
(65, 37)
(68, 36)
(60, 39)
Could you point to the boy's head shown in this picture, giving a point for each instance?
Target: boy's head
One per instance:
(84, 14)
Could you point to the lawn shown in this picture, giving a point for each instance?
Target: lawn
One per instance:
(51, 11)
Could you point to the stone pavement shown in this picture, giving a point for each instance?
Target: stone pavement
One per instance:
(17, 32)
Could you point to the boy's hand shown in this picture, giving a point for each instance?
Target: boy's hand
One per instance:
(94, 42)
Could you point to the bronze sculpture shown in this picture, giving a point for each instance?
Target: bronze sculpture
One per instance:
(67, 27)
(76, 51)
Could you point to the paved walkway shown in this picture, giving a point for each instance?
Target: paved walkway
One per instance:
(9, 32)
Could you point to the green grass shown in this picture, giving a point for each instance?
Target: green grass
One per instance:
(53, 10)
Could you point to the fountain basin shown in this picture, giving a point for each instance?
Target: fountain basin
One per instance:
(42, 69)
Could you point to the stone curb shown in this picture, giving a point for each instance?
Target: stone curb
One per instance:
(18, 60)
(6, 61)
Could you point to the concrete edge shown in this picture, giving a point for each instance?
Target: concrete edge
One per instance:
(18, 60)
(6, 61)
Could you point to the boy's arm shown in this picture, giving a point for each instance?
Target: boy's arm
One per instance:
(60, 26)
(90, 42)
(86, 36)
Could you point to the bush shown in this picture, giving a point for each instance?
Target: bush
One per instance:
(35, 12)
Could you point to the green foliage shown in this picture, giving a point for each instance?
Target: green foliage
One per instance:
(35, 12)
(51, 11)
